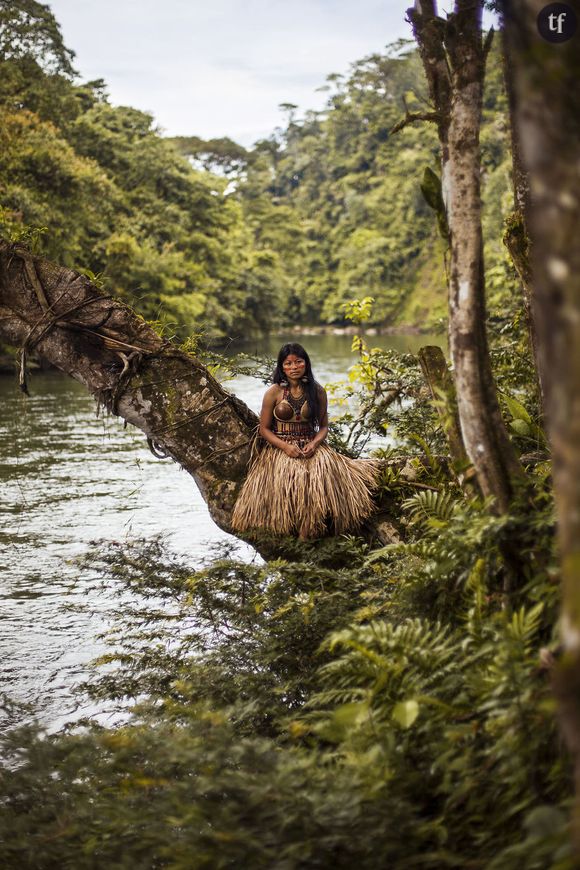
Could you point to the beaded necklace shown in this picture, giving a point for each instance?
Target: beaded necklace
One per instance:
(295, 402)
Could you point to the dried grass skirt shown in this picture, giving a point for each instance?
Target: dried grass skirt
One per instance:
(306, 497)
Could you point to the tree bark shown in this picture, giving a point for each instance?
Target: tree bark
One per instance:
(547, 113)
(516, 235)
(169, 395)
(454, 55)
(437, 374)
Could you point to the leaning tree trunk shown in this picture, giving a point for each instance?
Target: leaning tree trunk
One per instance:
(453, 56)
(169, 395)
(547, 113)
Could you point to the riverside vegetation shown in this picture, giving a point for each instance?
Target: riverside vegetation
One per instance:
(327, 209)
(341, 704)
(338, 704)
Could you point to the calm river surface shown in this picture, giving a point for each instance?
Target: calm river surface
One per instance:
(68, 478)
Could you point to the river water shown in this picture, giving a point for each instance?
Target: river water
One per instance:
(69, 478)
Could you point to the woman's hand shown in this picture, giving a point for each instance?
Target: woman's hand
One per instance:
(309, 449)
(293, 451)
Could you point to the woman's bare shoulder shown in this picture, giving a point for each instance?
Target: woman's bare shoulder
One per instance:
(321, 391)
(273, 392)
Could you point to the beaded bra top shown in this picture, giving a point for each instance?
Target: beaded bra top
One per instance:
(292, 418)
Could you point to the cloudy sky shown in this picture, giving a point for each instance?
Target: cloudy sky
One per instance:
(222, 67)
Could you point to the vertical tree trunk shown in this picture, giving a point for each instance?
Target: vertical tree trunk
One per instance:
(516, 236)
(454, 55)
(546, 84)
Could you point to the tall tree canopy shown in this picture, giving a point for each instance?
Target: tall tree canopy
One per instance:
(29, 30)
(209, 236)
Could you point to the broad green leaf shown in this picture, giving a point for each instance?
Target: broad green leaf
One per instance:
(351, 715)
(520, 427)
(405, 713)
(431, 189)
(516, 409)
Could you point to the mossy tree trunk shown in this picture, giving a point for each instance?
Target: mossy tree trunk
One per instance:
(169, 395)
(547, 113)
(516, 236)
(436, 372)
(454, 54)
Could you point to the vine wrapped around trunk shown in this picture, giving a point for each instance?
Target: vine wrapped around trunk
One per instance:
(168, 394)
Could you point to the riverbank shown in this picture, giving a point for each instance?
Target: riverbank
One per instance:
(329, 329)
(9, 364)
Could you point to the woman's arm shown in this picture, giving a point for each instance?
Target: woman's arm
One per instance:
(266, 418)
(310, 448)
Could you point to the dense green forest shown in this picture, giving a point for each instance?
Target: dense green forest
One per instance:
(209, 237)
(344, 702)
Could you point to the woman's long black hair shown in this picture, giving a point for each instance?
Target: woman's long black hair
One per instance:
(310, 385)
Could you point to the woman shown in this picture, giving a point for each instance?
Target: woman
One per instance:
(296, 483)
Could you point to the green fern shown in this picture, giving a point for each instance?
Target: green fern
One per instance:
(431, 509)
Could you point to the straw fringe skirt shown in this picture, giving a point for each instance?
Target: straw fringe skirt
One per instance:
(307, 497)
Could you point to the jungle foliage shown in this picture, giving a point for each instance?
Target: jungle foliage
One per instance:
(112, 195)
(339, 705)
(206, 236)
(344, 704)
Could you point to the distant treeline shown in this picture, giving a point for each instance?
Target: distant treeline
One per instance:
(206, 236)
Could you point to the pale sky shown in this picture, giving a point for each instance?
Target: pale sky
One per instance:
(222, 67)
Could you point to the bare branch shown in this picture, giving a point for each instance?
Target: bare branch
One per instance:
(413, 118)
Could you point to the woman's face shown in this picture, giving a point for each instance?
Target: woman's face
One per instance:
(294, 366)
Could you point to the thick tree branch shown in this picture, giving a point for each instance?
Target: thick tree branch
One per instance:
(184, 412)
(167, 394)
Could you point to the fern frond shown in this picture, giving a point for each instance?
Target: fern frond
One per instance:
(431, 509)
